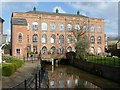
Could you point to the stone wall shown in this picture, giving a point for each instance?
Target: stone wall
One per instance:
(112, 73)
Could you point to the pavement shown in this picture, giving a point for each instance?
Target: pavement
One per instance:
(26, 71)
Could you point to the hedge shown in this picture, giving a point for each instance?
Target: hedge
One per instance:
(9, 68)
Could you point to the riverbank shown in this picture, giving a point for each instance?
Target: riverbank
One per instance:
(108, 72)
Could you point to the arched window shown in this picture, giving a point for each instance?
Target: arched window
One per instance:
(61, 39)
(44, 38)
(52, 39)
(92, 40)
(77, 27)
(35, 26)
(92, 28)
(61, 27)
(99, 51)
(44, 50)
(69, 27)
(44, 26)
(20, 38)
(35, 38)
(92, 51)
(99, 29)
(84, 28)
(53, 50)
(52, 26)
(69, 49)
(99, 40)
(69, 39)
(61, 50)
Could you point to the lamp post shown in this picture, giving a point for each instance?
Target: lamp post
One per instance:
(1, 51)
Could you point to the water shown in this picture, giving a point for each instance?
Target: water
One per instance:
(65, 76)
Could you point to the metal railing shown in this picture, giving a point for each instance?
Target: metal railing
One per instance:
(35, 81)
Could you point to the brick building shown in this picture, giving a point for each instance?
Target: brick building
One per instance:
(2, 36)
(51, 33)
(1, 25)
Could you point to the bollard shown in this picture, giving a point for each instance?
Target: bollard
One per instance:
(25, 83)
(35, 81)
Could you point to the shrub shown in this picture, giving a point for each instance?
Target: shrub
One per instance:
(8, 69)
(11, 66)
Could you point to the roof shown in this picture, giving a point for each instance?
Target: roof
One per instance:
(112, 42)
(19, 21)
(2, 19)
(53, 13)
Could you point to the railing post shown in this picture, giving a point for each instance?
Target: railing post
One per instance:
(25, 83)
(35, 81)
(39, 79)
(105, 60)
(119, 61)
(114, 61)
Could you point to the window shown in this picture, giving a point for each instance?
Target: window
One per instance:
(28, 25)
(52, 84)
(28, 38)
(52, 26)
(99, 51)
(61, 84)
(77, 27)
(61, 50)
(44, 50)
(69, 39)
(61, 39)
(69, 49)
(29, 47)
(99, 40)
(35, 26)
(52, 39)
(35, 38)
(92, 50)
(69, 27)
(53, 50)
(92, 40)
(92, 28)
(44, 26)
(99, 29)
(18, 51)
(61, 27)
(84, 28)
(35, 49)
(20, 38)
(69, 83)
(44, 38)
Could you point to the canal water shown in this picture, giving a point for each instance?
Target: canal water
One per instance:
(66, 76)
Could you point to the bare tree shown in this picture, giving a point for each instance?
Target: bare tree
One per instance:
(81, 43)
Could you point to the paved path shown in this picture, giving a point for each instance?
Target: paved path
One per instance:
(20, 75)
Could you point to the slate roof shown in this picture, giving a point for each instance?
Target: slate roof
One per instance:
(53, 13)
(2, 19)
(19, 21)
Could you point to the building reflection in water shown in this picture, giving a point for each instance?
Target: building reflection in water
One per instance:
(65, 80)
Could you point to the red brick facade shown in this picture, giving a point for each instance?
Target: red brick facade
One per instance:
(1, 25)
(23, 36)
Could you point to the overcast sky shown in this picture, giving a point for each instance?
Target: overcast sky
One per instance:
(98, 9)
